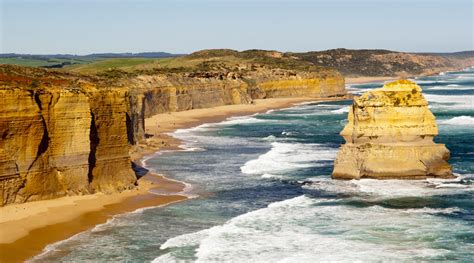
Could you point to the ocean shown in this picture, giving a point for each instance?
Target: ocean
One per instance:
(260, 191)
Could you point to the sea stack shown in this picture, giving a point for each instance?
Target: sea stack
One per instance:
(389, 135)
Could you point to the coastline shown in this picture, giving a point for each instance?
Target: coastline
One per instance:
(27, 228)
(158, 126)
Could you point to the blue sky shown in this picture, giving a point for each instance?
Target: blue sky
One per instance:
(184, 26)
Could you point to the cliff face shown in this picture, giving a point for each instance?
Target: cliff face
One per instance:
(109, 160)
(314, 87)
(154, 94)
(66, 134)
(390, 135)
(61, 140)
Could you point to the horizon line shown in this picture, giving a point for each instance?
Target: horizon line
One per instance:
(241, 50)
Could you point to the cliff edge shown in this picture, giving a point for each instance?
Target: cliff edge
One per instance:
(389, 135)
(64, 133)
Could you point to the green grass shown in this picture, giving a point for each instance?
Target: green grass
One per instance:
(126, 64)
(132, 64)
(201, 61)
(40, 62)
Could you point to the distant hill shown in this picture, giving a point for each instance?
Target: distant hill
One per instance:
(460, 54)
(366, 62)
(63, 60)
(135, 55)
(204, 60)
(350, 62)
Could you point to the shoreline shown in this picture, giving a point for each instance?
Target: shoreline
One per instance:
(26, 229)
(157, 126)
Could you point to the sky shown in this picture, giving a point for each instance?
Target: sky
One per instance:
(184, 26)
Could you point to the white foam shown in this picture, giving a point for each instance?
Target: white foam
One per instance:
(451, 101)
(460, 120)
(465, 76)
(302, 229)
(288, 133)
(341, 110)
(451, 87)
(399, 188)
(189, 148)
(273, 176)
(187, 191)
(327, 105)
(360, 91)
(270, 138)
(202, 127)
(247, 119)
(376, 189)
(424, 81)
(242, 120)
(166, 258)
(285, 157)
(305, 103)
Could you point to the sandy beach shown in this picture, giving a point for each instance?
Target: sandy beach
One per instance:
(26, 229)
(159, 125)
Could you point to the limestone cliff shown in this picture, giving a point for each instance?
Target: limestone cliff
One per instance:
(59, 142)
(60, 137)
(219, 85)
(66, 134)
(390, 134)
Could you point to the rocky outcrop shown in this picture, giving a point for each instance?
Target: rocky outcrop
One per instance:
(66, 134)
(390, 134)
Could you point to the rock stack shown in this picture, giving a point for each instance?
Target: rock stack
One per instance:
(389, 135)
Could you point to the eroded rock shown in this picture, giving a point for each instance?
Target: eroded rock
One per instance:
(66, 134)
(390, 134)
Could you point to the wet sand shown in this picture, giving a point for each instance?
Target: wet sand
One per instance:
(26, 229)
(159, 125)
(37, 224)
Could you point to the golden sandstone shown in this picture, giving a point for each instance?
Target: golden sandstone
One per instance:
(65, 134)
(389, 135)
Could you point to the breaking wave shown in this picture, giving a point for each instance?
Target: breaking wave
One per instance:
(460, 120)
(303, 229)
(284, 157)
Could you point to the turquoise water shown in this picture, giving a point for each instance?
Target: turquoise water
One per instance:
(261, 191)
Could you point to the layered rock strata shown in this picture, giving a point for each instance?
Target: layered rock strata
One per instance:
(390, 134)
(66, 134)
(58, 142)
